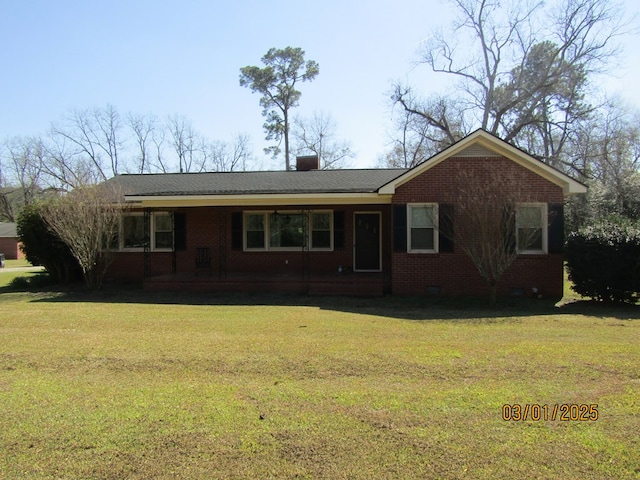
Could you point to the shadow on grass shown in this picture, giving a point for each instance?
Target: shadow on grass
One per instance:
(401, 307)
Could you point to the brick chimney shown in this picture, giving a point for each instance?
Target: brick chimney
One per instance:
(307, 162)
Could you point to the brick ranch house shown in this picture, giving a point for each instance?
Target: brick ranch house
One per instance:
(9, 242)
(360, 232)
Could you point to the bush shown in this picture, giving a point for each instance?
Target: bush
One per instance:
(42, 247)
(604, 261)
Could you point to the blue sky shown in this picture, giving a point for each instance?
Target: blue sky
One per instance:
(165, 57)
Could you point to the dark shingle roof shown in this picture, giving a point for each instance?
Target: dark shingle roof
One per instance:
(8, 230)
(256, 183)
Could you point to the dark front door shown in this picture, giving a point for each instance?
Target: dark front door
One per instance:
(367, 242)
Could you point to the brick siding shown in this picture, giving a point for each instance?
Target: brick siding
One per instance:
(10, 247)
(454, 273)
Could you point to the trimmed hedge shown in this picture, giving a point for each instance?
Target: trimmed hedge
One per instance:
(604, 261)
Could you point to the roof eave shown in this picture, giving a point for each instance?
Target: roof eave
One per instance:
(175, 201)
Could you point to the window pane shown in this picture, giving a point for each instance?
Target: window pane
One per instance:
(164, 240)
(321, 239)
(255, 230)
(321, 221)
(255, 222)
(530, 217)
(422, 216)
(133, 231)
(163, 222)
(422, 239)
(286, 230)
(530, 239)
(255, 239)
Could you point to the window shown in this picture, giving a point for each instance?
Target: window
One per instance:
(421, 225)
(321, 230)
(162, 231)
(531, 236)
(288, 230)
(133, 231)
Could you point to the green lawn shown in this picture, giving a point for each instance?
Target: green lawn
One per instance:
(129, 385)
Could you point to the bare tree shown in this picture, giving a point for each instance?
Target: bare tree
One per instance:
(521, 71)
(229, 157)
(6, 205)
(87, 220)
(606, 151)
(143, 129)
(66, 167)
(317, 135)
(92, 139)
(189, 146)
(158, 160)
(27, 157)
(241, 156)
(21, 174)
(418, 134)
(484, 220)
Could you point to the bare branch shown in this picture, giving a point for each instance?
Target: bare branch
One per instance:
(87, 220)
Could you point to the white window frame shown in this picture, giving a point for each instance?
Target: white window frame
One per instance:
(153, 232)
(245, 247)
(436, 245)
(267, 233)
(543, 226)
(311, 229)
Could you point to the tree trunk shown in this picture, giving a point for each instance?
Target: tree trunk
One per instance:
(493, 293)
(286, 140)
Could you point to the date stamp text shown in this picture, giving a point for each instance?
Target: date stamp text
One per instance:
(564, 412)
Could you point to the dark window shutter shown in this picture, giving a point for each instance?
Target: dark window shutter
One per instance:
(338, 230)
(509, 229)
(555, 232)
(180, 230)
(445, 228)
(399, 228)
(236, 230)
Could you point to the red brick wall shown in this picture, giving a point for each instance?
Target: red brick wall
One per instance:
(211, 227)
(453, 273)
(10, 247)
(435, 184)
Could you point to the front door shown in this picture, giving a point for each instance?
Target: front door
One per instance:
(367, 242)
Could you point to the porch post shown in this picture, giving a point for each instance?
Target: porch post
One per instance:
(306, 247)
(223, 219)
(147, 243)
(174, 259)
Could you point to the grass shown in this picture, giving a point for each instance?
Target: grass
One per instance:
(17, 263)
(14, 276)
(122, 384)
